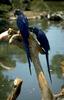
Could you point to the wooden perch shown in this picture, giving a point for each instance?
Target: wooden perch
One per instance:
(4, 36)
(60, 94)
(16, 89)
(5, 67)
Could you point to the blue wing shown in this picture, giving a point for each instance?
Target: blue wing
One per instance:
(44, 44)
(43, 40)
(41, 37)
(22, 24)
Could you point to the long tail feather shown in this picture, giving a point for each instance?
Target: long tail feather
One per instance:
(47, 59)
(26, 44)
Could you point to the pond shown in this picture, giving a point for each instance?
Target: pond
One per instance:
(15, 58)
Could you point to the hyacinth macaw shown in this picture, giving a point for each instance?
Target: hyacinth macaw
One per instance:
(44, 43)
(22, 23)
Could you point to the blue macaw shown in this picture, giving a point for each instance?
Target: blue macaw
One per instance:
(22, 23)
(41, 37)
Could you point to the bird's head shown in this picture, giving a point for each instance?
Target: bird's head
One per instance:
(18, 12)
(35, 30)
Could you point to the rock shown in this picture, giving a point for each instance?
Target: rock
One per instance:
(55, 16)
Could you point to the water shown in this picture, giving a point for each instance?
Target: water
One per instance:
(55, 35)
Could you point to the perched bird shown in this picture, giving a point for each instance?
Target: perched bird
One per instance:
(41, 37)
(22, 23)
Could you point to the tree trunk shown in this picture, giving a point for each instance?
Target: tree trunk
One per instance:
(15, 90)
(45, 90)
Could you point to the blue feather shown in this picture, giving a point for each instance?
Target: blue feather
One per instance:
(22, 23)
(26, 45)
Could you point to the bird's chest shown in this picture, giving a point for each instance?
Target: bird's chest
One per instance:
(23, 27)
(20, 23)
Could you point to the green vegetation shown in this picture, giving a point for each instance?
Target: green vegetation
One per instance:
(37, 5)
(55, 6)
(4, 7)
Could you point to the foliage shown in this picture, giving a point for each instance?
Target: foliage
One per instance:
(4, 7)
(4, 24)
(37, 5)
